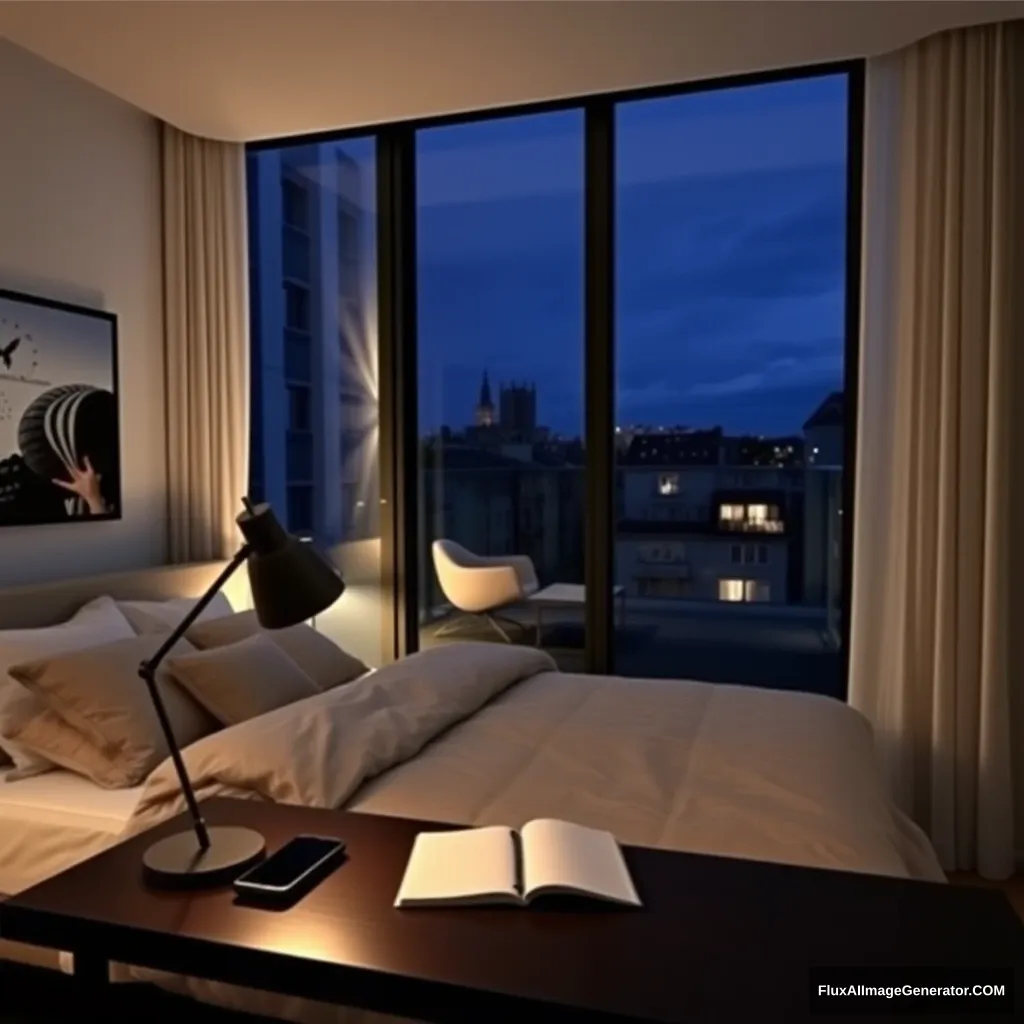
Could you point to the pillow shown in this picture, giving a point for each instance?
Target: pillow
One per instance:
(99, 694)
(240, 681)
(98, 622)
(321, 659)
(163, 616)
(46, 734)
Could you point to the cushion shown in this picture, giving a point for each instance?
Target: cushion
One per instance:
(240, 681)
(98, 693)
(163, 616)
(320, 658)
(98, 622)
(44, 733)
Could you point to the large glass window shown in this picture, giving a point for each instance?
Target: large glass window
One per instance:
(730, 303)
(314, 454)
(500, 337)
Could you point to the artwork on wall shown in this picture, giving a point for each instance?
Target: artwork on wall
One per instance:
(60, 450)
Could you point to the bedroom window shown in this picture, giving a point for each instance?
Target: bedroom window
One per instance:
(314, 440)
(730, 342)
(634, 311)
(499, 283)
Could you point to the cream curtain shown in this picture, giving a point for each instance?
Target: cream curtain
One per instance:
(206, 343)
(936, 630)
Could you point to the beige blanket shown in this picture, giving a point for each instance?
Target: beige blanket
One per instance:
(483, 734)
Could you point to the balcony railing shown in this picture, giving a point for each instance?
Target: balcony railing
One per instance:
(748, 526)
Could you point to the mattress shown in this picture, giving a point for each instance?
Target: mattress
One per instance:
(52, 821)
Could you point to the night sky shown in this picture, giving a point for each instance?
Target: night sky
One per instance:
(730, 260)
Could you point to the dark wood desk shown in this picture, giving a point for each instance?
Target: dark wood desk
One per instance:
(719, 939)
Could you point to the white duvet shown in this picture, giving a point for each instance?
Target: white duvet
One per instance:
(482, 734)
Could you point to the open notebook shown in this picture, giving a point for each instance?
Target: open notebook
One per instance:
(500, 865)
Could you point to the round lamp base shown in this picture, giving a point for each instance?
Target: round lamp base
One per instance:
(178, 862)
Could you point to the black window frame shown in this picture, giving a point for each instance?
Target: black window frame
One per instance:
(397, 335)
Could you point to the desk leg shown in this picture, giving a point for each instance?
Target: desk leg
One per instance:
(92, 971)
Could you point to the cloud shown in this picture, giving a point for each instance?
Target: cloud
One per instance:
(730, 386)
(779, 374)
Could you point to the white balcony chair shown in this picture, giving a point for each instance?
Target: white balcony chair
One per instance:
(478, 586)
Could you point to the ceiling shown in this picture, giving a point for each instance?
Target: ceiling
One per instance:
(242, 70)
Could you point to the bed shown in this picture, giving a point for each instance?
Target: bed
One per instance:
(485, 734)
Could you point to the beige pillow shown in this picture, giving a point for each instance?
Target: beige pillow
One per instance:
(164, 616)
(240, 681)
(44, 733)
(321, 659)
(98, 693)
(95, 623)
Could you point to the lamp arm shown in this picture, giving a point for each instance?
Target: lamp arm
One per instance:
(148, 670)
(199, 607)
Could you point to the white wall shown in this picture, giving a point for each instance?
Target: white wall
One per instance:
(80, 221)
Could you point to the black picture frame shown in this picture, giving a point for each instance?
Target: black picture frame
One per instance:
(60, 417)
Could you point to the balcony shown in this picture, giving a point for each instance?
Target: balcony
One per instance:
(744, 526)
(777, 647)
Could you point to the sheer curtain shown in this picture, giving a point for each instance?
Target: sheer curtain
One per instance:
(206, 343)
(936, 630)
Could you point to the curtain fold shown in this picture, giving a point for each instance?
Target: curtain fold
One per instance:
(206, 343)
(935, 655)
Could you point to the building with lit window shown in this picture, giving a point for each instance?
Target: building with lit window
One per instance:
(314, 385)
(707, 517)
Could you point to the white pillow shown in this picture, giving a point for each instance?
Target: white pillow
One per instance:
(141, 614)
(98, 622)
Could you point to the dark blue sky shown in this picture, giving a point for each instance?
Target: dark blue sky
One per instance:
(730, 259)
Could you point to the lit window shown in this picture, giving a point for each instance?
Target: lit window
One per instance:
(731, 513)
(763, 519)
(743, 590)
(668, 483)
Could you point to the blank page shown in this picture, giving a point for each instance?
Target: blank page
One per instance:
(561, 856)
(454, 867)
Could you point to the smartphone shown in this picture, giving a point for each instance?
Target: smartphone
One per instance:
(297, 866)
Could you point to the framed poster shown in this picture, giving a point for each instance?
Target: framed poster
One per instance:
(60, 445)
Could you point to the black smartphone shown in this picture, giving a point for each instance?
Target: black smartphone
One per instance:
(291, 870)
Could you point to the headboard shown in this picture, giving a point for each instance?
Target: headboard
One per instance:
(44, 604)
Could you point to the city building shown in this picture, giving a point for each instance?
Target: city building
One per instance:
(699, 531)
(517, 416)
(700, 515)
(707, 517)
(313, 392)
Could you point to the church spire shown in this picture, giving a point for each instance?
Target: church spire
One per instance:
(485, 407)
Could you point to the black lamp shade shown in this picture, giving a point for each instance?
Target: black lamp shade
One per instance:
(290, 581)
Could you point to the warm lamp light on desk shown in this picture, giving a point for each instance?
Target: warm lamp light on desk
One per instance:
(291, 582)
